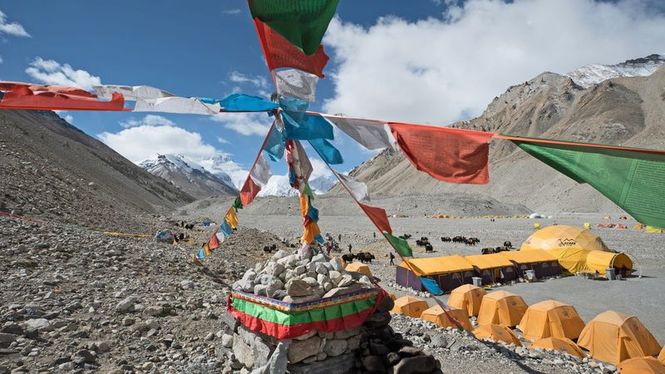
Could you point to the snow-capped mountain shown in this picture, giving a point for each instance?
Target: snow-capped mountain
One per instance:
(278, 185)
(590, 75)
(189, 176)
(322, 184)
(222, 166)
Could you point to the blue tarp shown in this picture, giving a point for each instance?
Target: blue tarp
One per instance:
(327, 151)
(431, 286)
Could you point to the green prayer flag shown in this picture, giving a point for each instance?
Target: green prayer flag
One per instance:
(237, 204)
(633, 180)
(302, 22)
(307, 191)
(400, 245)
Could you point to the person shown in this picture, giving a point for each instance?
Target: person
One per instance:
(392, 257)
(374, 233)
(328, 247)
(350, 247)
(339, 238)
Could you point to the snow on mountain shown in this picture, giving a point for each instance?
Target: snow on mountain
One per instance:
(278, 185)
(590, 75)
(189, 176)
(322, 184)
(222, 166)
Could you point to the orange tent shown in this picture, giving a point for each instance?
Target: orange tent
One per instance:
(641, 365)
(410, 306)
(614, 337)
(661, 356)
(437, 316)
(502, 308)
(467, 297)
(358, 267)
(551, 318)
(560, 345)
(497, 333)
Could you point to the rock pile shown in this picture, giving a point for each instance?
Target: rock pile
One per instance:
(372, 347)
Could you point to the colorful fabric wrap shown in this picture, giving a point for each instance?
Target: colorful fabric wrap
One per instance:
(283, 320)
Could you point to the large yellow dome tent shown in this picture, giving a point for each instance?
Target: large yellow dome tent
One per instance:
(613, 337)
(437, 316)
(559, 345)
(577, 250)
(641, 365)
(497, 333)
(551, 318)
(410, 306)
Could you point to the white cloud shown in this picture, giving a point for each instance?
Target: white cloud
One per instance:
(232, 11)
(221, 140)
(150, 119)
(439, 70)
(258, 81)
(140, 142)
(245, 123)
(319, 168)
(13, 28)
(52, 72)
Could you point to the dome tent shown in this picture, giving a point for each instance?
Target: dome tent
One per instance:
(467, 297)
(641, 365)
(410, 306)
(501, 308)
(437, 316)
(613, 337)
(358, 267)
(551, 318)
(497, 333)
(577, 250)
(560, 345)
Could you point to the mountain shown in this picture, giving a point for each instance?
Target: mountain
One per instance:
(278, 185)
(593, 74)
(189, 176)
(222, 166)
(53, 171)
(622, 111)
(322, 184)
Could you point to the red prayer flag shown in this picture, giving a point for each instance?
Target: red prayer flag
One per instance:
(249, 191)
(213, 242)
(37, 97)
(280, 53)
(378, 216)
(449, 155)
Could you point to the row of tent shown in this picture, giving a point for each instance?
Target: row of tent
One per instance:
(610, 337)
(548, 252)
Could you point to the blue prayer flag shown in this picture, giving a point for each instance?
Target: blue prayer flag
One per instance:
(308, 128)
(242, 103)
(327, 151)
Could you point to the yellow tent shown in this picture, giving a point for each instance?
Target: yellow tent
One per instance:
(438, 265)
(437, 316)
(653, 230)
(497, 333)
(551, 318)
(467, 297)
(661, 356)
(560, 345)
(501, 308)
(614, 337)
(641, 365)
(410, 306)
(358, 267)
(600, 261)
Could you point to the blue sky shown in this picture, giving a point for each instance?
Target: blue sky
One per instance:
(422, 62)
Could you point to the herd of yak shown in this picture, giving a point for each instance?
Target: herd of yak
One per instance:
(424, 242)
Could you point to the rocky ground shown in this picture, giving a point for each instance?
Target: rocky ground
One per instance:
(73, 299)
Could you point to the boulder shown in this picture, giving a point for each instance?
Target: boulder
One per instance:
(36, 324)
(242, 351)
(274, 286)
(335, 276)
(126, 305)
(321, 268)
(346, 281)
(261, 290)
(302, 349)
(373, 364)
(335, 347)
(279, 255)
(318, 258)
(298, 288)
(415, 365)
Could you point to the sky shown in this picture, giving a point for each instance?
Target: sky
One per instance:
(425, 61)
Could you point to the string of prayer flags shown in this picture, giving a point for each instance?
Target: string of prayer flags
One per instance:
(28, 96)
(370, 134)
(431, 286)
(242, 103)
(632, 178)
(328, 152)
(214, 242)
(225, 228)
(358, 190)
(296, 83)
(280, 53)
(176, 104)
(401, 246)
(449, 155)
(237, 204)
(378, 216)
(301, 23)
(131, 92)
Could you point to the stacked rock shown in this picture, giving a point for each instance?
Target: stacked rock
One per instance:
(294, 278)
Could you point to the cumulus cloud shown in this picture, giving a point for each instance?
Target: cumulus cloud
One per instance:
(257, 81)
(244, 123)
(53, 72)
(140, 142)
(11, 28)
(443, 69)
(150, 119)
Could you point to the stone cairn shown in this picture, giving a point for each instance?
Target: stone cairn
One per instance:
(373, 347)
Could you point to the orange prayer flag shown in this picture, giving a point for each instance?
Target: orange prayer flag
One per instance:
(249, 191)
(449, 155)
(378, 216)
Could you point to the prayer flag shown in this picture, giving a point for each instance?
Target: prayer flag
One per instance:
(296, 83)
(302, 23)
(358, 190)
(231, 218)
(310, 233)
(225, 228)
(275, 145)
(449, 155)
(200, 255)
(378, 216)
(308, 128)
(431, 286)
(182, 105)
(300, 167)
(27, 96)
(400, 245)
(327, 151)
(213, 242)
(280, 53)
(242, 103)
(131, 92)
(261, 172)
(370, 134)
(207, 251)
(237, 204)
(632, 178)
(249, 191)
